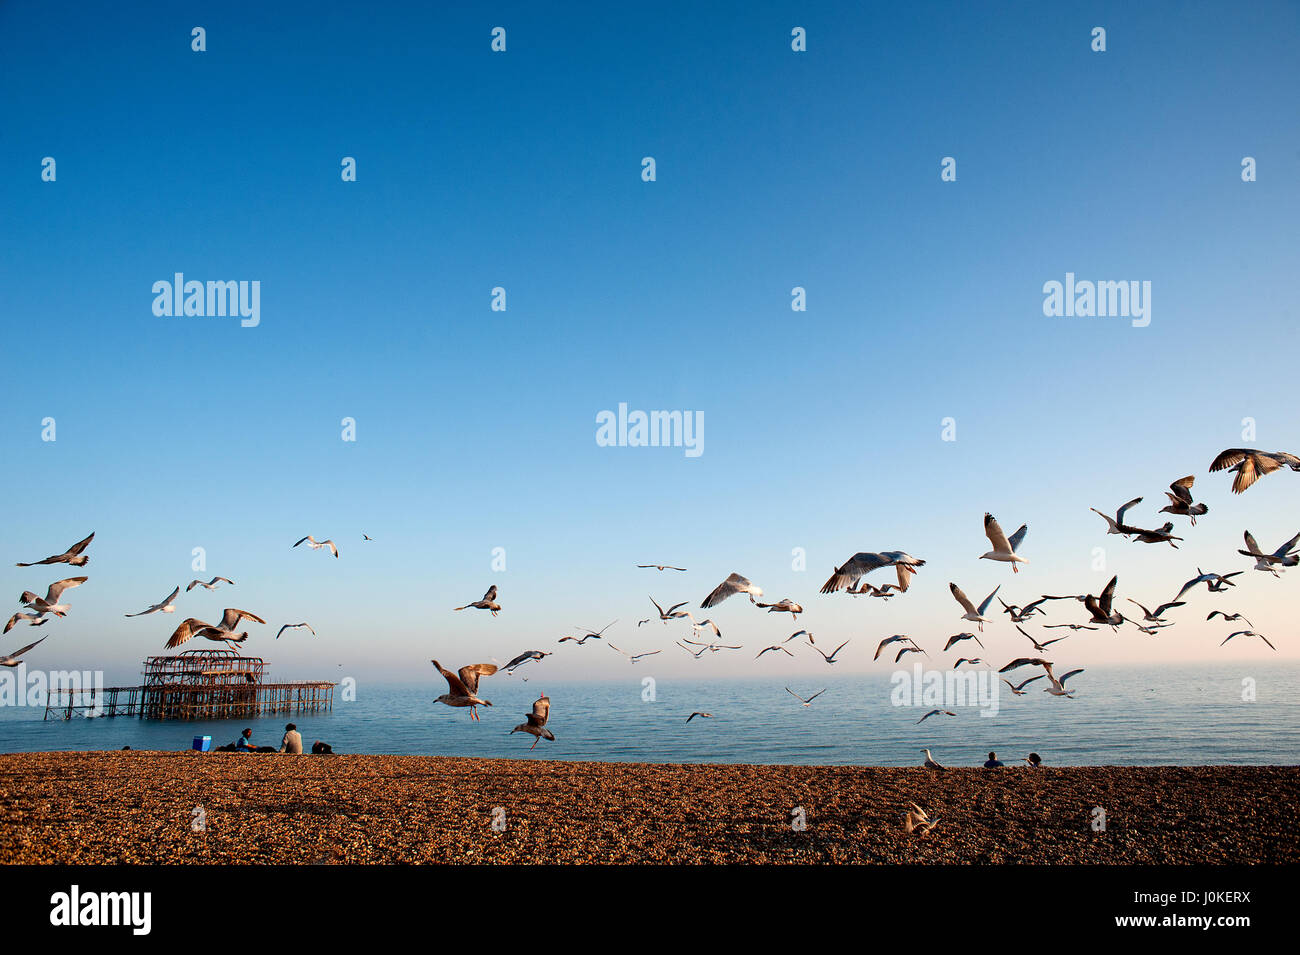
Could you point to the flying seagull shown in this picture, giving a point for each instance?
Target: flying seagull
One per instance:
(959, 637)
(1021, 614)
(672, 613)
(660, 566)
(1251, 465)
(1058, 686)
(73, 555)
(50, 602)
(1273, 563)
(524, 658)
(707, 716)
(777, 647)
(295, 626)
(1228, 617)
(40, 620)
(802, 701)
(463, 686)
(972, 614)
(1068, 626)
(589, 634)
(896, 638)
(697, 625)
(633, 657)
(1025, 662)
(906, 650)
(210, 585)
(1215, 582)
(1019, 689)
(1100, 607)
(800, 633)
(1157, 615)
(786, 605)
(735, 584)
(936, 713)
(885, 591)
(961, 660)
(1116, 525)
(314, 544)
(489, 602)
(166, 605)
(830, 658)
(1040, 647)
(223, 632)
(1161, 535)
(1004, 549)
(1247, 633)
(865, 562)
(15, 658)
(536, 725)
(1180, 500)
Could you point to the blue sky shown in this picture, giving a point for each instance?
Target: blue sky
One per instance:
(475, 428)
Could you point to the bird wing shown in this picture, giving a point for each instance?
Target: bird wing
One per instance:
(19, 652)
(815, 695)
(1062, 680)
(541, 712)
(307, 538)
(469, 674)
(1252, 545)
(1160, 611)
(231, 617)
(732, 585)
(79, 546)
(1119, 515)
(185, 631)
(1182, 488)
(1031, 680)
(852, 570)
(454, 682)
(1018, 538)
(962, 598)
(1286, 548)
(1108, 595)
(59, 586)
(795, 695)
(984, 605)
(993, 530)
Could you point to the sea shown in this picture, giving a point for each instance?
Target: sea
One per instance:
(1240, 713)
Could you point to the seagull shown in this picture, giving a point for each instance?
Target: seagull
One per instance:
(536, 724)
(700, 625)
(735, 584)
(40, 620)
(865, 562)
(707, 716)
(1069, 626)
(1100, 607)
(672, 613)
(930, 761)
(800, 633)
(831, 657)
(166, 605)
(1019, 690)
(786, 605)
(1161, 535)
(223, 632)
(463, 686)
(15, 658)
(314, 544)
(1180, 500)
(633, 657)
(958, 637)
(73, 555)
(906, 650)
(972, 614)
(366, 537)
(1275, 562)
(1247, 633)
(1227, 617)
(295, 626)
(936, 713)
(1058, 686)
(489, 602)
(1025, 662)
(1157, 615)
(777, 647)
(50, 602)
(210, 585)
(589, 634)
(1021, 614)
(1040, 647)
(961, 660)
(1004, 549)
(660, 566)
(1251, 465)
(1116, 524)
(802, 701)
(1215, 582)
(884, 591)
(916, 819)
(704, 648)
(896, 638)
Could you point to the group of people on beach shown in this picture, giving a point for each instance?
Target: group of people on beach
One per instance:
(1033, 759)
(290, 745)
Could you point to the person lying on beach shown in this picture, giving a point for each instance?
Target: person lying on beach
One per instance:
(993, 762)
(292, 742)
(322, 749)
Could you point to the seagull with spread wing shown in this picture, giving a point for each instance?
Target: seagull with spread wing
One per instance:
(73, 555)
(166, 605)
(802, 701)
(314, 544)
(295, 626)
(489, 602)
(1251, 465)
(1275, 562)
(13, 659)
(462, 686)
(1247, 633)
(734, 584)
(536, 722)
(223, 632)
(864, 562)
(973, 614)
(50, 602)
(1180, 500)
(1004, 549)
(210, 585)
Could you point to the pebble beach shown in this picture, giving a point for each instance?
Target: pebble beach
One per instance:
(202, 808)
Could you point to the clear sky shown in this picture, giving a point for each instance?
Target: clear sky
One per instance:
(475, 429)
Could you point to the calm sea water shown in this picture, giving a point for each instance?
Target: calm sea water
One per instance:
(1169, 715)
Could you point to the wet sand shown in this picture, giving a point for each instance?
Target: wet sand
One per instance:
(139, 807)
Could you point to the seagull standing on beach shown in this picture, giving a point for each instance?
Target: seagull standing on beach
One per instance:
(1251, 465)
(73, 555)
(972, 613)
(50, 602)
(166, 605)
(15, 658)
(210, 585)
(463, 686)
(1275, 562)
(536, 722)
(930, 761)
(314, 544)
(1003, 549)
(864, 562)
(734, 584)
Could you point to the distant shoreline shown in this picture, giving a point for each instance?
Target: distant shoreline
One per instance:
(182, 807)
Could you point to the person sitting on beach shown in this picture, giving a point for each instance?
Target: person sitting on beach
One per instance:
(292, 742)
(322, 749)
(245, 742)
(1034, 760)
(993, 762)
